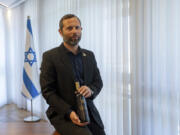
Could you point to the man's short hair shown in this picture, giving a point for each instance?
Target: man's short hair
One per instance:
(67, 16)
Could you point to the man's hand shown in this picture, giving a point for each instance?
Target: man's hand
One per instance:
(75, 119)
(85, 91)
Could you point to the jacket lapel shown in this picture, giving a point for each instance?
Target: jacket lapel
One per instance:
(64, 59)
(85, 65)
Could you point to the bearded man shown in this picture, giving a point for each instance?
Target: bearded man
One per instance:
(61, 67)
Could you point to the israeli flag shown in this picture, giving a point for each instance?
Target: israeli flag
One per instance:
(31, 87)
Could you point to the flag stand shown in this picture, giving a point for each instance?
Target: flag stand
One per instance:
(31, 118)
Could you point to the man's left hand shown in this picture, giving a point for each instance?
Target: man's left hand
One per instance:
(85, 91)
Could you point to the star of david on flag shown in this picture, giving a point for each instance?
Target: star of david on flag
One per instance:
(28, 54)
(31, 87)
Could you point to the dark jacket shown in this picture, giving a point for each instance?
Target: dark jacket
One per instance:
(58, 85)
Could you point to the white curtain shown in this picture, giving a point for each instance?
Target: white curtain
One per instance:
(155, 46)
(136, 46)
(3, 95)
(14, 46)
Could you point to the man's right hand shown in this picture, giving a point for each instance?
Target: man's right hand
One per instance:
(75, 119)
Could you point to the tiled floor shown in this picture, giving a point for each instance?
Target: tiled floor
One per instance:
(11, 123)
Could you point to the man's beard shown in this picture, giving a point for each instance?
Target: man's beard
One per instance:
(72, 41)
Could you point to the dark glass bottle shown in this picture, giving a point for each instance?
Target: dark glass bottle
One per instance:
(82, 110)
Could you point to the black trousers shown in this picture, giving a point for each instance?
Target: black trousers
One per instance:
(66, 127)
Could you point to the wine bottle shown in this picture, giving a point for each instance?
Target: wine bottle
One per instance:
(82, 110)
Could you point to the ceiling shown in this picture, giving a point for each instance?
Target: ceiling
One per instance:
(10, 3)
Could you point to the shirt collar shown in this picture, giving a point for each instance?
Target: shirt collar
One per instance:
(68, 52)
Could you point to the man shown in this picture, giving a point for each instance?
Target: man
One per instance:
(60, 68)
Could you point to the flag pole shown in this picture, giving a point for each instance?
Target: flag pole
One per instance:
(31, 118)
(31, 108)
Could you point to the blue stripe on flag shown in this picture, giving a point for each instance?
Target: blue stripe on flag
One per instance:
(29, 85)
(29, 26)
